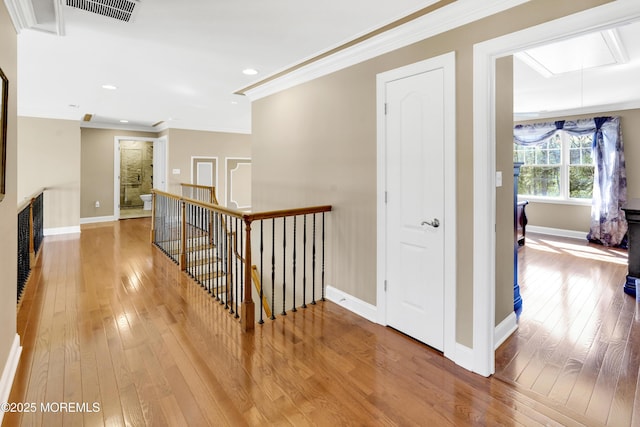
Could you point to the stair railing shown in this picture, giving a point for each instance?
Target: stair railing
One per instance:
(30, 236)
(202, 193)
(214, 246)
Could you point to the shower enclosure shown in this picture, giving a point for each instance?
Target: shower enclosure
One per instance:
(136, 176)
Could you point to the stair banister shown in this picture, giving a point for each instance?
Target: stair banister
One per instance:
(248, 307)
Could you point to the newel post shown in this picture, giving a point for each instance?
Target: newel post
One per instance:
(248, 307)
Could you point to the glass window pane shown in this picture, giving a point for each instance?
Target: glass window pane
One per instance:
(574, 142)
(574, 156)
(542, 157)
(581, 182)
(555, 157)
(586, 156)
(530, 157)
(555, 143)
(539, 181)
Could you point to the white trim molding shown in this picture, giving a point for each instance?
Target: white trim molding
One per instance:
(56, 231)
(95, 219)
(9, 372)
(116, 165)
(485, 54)
(572, 234)
(351, 303)
(504, 329)
(439, 21)
(447, 63)
(228, 176)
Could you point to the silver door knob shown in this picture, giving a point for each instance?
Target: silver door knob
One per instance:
(435, 223)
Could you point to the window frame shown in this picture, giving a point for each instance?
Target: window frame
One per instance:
(563, 198)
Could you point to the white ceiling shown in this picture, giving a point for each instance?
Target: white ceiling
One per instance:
(179, 63)
(609, 86)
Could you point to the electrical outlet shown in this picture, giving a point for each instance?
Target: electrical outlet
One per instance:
(97, 203)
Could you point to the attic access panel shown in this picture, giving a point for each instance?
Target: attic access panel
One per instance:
(121, 10)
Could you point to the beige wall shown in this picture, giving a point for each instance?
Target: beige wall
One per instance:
(577, 217)
(97, 169)
(316, 143)
(185, 144)
(504, 195)
(98, 151)
(49, 156)
(8, 207)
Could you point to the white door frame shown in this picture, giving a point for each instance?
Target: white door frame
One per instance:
(116, 165)
(228, 182)
(214, 177)
(447, 62)
(484, 158)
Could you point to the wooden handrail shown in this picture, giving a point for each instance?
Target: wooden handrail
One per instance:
(287, 212)
(257, 216)
(247, 313)
(184, 184)
(28, 200)
(210, 189)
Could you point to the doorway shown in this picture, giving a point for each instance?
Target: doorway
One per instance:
(485, 55)
(416, 219)
(139, 166)
(204, 171)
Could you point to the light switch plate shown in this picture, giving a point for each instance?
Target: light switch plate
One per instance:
(176, 171)
(498, 178)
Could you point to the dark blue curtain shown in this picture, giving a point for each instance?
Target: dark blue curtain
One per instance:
(608, 224)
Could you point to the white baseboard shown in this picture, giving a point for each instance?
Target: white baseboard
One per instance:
(505, 329)
(61, 230)
(351, 303)
(9, 372)
(464, 357)
(572, 234)
(94, 219)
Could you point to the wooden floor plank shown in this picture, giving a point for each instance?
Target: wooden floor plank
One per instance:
(577, 338)
(108, 319)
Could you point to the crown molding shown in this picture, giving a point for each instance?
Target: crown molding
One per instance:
(594, 109)
(459, 13)
(24, 15)
(21, 13)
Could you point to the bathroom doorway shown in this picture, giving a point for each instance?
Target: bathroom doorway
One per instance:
(138, 167)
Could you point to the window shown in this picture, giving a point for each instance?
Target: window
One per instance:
(559, 169)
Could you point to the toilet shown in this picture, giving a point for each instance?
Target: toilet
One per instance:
(146, 198)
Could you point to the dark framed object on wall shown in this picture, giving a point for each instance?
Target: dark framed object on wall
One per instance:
(4, 96)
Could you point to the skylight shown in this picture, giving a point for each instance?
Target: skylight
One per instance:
(579, 53)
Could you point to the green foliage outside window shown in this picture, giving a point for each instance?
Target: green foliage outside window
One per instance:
(541, 174)
(580, 167)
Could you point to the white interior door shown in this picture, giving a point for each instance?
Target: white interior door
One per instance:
(415, 136)
(205, 174)
(204, 171)
(160, 164)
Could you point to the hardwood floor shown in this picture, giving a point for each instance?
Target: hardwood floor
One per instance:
(578, 341)
(107, 319)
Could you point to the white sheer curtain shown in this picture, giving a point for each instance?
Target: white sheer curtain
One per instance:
(608, 223)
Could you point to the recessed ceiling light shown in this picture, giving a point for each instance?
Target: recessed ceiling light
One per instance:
(250, 71)
(74, 106)
(109, 87)
(124, 121)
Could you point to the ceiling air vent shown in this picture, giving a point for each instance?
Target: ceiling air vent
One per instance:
(117, 9)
